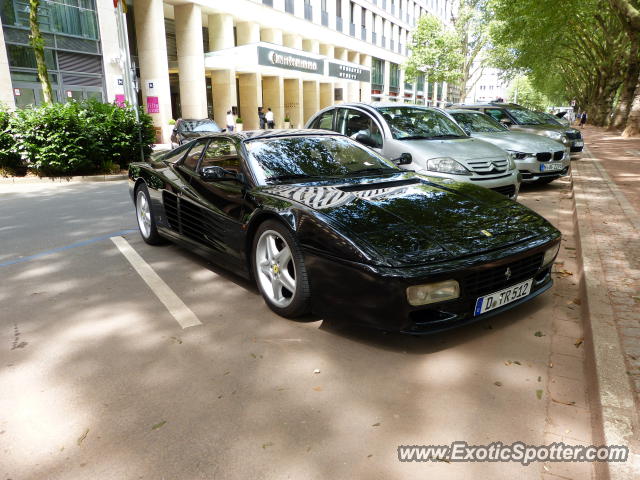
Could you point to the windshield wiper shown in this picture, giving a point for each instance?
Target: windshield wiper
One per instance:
(448, 135)
(372, 170)
(415, 137)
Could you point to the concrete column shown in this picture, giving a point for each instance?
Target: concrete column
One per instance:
(326, 95)
(6, 87)
(220, 32)
(356, 20)
(365, 87)
(353, 91)
(250, 99)
(293, 101)
(293, 41)
(110, 50)
(224, 94)
(387, 77)
(248, 32)
(193, 88)
(331, 10)
(368, 21)
(354, 57)
(341, 53)
(311, 46)
(273, 97)
(271, 35)
(328, 51)
(311, 99)
(152, 59)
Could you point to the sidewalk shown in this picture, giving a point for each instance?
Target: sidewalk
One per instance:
(605, 185)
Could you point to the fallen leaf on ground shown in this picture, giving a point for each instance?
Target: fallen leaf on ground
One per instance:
(159, 425)
(497, 384)
(636, 298)
(268, 444)
(539, 334)
(539, 379)
(226, 373)
(317, 389)
(82, 437)
(376, 424)
(177, 340)
(571, 404)
(577, 301)
(254, 355)
(539, 394)
(317, 370)
(569, 248)
(369, 456)
(439, 459)
(579, 342)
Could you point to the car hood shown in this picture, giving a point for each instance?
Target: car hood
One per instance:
(458, 149)
(412, 220)
(520, 141)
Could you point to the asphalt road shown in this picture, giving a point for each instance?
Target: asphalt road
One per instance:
(99, 381)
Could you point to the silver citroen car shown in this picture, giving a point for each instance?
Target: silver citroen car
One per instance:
(539, 159)
(426, 140)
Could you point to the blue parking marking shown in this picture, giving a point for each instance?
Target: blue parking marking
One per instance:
(66, 247)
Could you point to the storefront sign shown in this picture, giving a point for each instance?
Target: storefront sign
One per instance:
(277, 58)
(153, 106)
(120, 100)
(349, 72)
(17, 92)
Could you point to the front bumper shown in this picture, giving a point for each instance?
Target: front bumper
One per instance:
(507, 183)
(376, 296)
(576, 145)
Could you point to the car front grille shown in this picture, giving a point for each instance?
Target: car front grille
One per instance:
(507, 190)
(493, 279)
(573, 135)
(543, 156)
(558, 155)
(488, 166)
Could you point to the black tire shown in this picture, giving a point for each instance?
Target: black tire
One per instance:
(149, 233)
(300, 301)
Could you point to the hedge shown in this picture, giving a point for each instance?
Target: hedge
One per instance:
(74, 138)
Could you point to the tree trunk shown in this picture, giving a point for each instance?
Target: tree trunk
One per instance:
(633, 121)
(628, 88)
(37, 43)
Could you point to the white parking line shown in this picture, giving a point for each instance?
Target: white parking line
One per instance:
(183, 314)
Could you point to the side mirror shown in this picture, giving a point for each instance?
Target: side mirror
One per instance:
(223, 130)
(365, 139)
(506, 122)
(404, 159)
(217, 173)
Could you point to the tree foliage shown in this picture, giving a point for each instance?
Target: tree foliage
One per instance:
(435, 52)
(522, 92)
(574, 49)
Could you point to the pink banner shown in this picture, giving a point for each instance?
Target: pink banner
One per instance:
(153, 106)
(120, 100)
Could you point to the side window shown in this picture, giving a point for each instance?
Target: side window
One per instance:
(221, 152)
(356, 123)
(325, 121)
(496, 113)
(191, 160)
(176, 154)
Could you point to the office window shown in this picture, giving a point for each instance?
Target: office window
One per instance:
(377, 73)
(394, 76)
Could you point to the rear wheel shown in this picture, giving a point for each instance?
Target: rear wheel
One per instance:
(279, 270)
(144, 215)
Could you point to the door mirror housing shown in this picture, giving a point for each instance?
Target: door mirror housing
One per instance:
(404, 159)
(506, 123)
(216, 173)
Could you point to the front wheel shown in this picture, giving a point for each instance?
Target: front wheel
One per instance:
(279, 270)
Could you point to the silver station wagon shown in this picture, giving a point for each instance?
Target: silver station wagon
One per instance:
(539, 159)
(426, 140)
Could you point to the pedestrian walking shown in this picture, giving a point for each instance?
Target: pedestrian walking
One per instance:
(231, 121)
(271, 123)
(583, 119)
(261, 118)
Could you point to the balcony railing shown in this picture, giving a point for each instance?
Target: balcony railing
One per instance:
(324, 18)
(352, 29)
(363, 33)
(374, 38)
(339, 24)
(383, 44)
(308, 12)
(392, 45)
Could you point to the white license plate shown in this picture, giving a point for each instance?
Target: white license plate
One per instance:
(550, 167)
(498, 299)
(578, 143)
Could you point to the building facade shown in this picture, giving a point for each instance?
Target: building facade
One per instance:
(201, 58)
(487, 85)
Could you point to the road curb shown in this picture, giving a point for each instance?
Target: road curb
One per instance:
(611, 393)
(62, 180)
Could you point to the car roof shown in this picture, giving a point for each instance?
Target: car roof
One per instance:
(463, 110)
(246, 135)
(487, 104)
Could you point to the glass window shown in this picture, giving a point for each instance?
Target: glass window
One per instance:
(27, 97)
(394, 75)
(497, 114)
(377, 74)
(408, 123)
(191, 160)
(221, 152)
(23, 56)
(353, 123)
(477, 122)
(526, 117)
(176, 154)
(278, 160)
(325, 121)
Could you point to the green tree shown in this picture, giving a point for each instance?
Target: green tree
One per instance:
(522, 92)
(37, 43)
(435, 52)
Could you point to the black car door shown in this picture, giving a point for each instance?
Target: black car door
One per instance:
(222, 200)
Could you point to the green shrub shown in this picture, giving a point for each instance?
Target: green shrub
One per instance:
(79, 138)
(9, 160)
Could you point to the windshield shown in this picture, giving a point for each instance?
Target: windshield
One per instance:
(408, 123)
(552, 119)
(205, 125)
(527, 117)
(477, 122)
(315, 157)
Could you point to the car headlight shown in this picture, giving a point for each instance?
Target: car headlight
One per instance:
(550, 254)
(433, 292)
(446, 165)
(517, 155)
